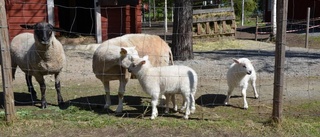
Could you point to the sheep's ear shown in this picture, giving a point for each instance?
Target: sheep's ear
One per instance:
(123, 52)
(236, 61)
(27, 26)
(143, 62)
(58, 29)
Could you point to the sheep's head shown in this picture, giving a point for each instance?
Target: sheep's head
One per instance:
(137, 64)
(244, 65)
(127, 55)
(42, 32)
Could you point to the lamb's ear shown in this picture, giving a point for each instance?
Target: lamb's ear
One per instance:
(143, 62)
(236, 61)
(26, 26)
(123, 52)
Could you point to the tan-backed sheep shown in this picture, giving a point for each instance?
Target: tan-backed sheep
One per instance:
(37, 55)
(105, 70)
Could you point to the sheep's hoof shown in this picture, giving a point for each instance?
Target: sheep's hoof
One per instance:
(186, 117)
(192, 110)
(62, 105)
(152, 117)
(44, 105)
(106, 106)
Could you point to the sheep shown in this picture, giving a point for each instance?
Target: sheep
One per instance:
(37, 55)
(106, 70)
(165, 80)
(240, 73)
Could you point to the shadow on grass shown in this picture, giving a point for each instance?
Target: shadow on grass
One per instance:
(216, 100)
(134, 106)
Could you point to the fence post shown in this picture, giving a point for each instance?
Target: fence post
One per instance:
(256, 34)
(307, 29)
(6, 66)
(282, 10)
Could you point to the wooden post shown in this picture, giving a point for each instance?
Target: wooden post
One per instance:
(307, 29)
(256, 34)
(282, 10)
(6, 66)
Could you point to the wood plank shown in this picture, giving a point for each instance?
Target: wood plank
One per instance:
(26, 6)
(27, 13)
(28, 1)
(216, 10)
(213, 19)
(207, 28)
(224, 26)
(26, 20)
(216, 29)
(199, 28)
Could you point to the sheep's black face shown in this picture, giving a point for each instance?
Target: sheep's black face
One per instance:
(43, 32)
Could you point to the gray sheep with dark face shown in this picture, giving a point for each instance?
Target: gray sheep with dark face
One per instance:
(37, 55)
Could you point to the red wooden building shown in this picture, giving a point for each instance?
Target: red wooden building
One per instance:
(103, 19)
(297, 9)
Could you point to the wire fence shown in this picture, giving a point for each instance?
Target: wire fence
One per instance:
(81, 88)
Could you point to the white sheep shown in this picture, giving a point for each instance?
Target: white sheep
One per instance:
(37, 55)
(106, 70)
(240, 73)
(165, 80)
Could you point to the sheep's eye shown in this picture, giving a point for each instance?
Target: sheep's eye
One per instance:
(244, 66)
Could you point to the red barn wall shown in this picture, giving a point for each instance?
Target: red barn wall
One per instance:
(26, 12)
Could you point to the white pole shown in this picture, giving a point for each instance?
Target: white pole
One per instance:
(242, 16)
(274, 17)
(307, 28)
(165, 16)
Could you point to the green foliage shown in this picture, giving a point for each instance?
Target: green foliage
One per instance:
(250, 6)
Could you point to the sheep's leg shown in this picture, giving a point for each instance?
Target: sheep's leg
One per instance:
(253, 84)
(226, 101)
(58, 89)
(192, 104)
(42, 84)
(187, 100)
(30, 87)
(244, 96)
(173, 100)
(154, 102)
(168, 98)
(184, 105)
(107, 97)
(122, 90)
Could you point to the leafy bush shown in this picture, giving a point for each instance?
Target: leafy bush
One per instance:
(250, 6)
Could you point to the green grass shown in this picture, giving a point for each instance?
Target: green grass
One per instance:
(230, 120)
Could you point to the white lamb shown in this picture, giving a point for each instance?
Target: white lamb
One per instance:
(166, 80)
(239, 73)
(37, 55)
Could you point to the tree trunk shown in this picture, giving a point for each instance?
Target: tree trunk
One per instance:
(182, 30)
